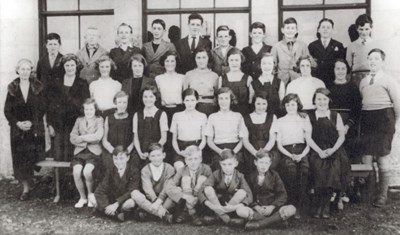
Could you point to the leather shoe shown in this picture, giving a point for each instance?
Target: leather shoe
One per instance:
(196, 221)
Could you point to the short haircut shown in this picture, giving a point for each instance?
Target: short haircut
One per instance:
(189, 92)
(340, 60)
(155, 146)
(222, 28)
(105, 58)
(139, 58)
(159, 21)
(236, 51)
(224, 90)
(363, 19)
(301, 58)
(53, 36)
(120, 150)
(322, 21)
(21, 62)
(257, 25)
(90, 101)
(292, 97)
(169, 53)
(290, 20)
(262, 153)
(195, 16)
(69, 57)
(191, 150)
(153, 90)
(125, 25)
(227, 154)
(262, 95)
(383, 54)
(119, 94)
(93, 28)
(323, 91)
(208, 52)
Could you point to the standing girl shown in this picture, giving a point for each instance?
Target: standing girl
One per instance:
(259, 134)
(187, 127)
(104, 89)
(269, 83)
(24, 109)
(326, 140)
(118, 129)
(150, 125)
(223, 128)
(86, 136)
(237, 81)
(291, 132)
(203, 80)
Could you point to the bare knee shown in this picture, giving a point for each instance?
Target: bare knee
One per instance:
(77, 171)
(178, 165)
(87, 171)
(243, 211)
(201, 179)
(137, 195)
(241, 193)
(209, 191)
(128, 205)
(287, 211)
(186, 182)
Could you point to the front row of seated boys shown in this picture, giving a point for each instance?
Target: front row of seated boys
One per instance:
(194, 192)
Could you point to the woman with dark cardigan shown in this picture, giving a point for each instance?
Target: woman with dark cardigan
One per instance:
(65, 98)
(24, 109)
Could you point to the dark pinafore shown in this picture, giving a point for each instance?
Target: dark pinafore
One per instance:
(241, 92)
(272, 91)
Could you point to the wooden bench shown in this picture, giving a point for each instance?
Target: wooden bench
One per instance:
(361, 170)
(56, 165)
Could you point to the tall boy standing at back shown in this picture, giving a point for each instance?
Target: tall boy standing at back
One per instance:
(187, 45)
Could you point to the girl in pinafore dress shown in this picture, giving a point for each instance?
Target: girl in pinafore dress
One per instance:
(118, 129)
(237, 81)
(325, 161)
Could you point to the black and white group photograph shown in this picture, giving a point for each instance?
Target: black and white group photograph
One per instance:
(199, 117)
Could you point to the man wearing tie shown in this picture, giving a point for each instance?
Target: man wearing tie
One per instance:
(187, 45)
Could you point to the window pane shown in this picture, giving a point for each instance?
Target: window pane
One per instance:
(343, 1)
(169, 21)
(208, 26)
(301, 2)
(96, 4)
(239, 22)
(197, 3)
(307, 23)
(62, 5)
(105, 24)
(164, 4)
(230, 3)
(343, 19)
(67, 28)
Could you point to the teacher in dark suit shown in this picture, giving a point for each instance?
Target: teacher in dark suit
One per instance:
(325, 52)
(24, 109)
(187, 45)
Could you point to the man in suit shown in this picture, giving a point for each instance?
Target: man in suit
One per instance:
(187, 45)
(153, 50)
(49, 66)
(89, 54)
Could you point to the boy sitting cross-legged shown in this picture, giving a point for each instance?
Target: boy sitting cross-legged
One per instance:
(184, 187)
(226, 191)
(269, 196)
(154, 175)
(112, 196)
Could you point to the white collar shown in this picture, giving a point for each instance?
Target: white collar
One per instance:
(322, 115)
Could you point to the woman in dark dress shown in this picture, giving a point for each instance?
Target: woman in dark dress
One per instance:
(325, 50)
(24, 109)
(65, 98)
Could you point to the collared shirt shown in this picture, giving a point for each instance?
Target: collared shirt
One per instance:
(228, 179)
(357, 54)
(189, 126)
(103, 91)
(190, 39)
(292, 129)
(156, 171)
(225, 127)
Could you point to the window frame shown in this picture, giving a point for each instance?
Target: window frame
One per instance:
(320, 7)
(179, 11)
(44, 13)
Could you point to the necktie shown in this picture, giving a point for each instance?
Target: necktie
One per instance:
(372, 79)
(193, 46)
(227, 180)
(290, 46)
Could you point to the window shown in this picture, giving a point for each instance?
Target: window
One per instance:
(309, 12)
(70, 19)
(234, 13)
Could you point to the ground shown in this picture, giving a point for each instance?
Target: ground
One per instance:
(41, 216)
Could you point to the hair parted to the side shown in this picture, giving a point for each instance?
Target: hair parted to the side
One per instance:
(292, 97)
(155, 146)
(227, 154)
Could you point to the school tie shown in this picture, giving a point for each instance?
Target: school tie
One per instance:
(193, 46)
(290, 46)
(372, 79)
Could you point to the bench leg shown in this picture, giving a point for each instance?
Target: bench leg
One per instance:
(57, 173)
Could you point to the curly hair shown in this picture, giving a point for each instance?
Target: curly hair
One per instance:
(69, 57)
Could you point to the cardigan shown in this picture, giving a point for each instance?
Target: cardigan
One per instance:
(93, 132)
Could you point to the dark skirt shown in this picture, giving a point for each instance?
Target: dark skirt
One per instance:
(85, 157)
(377, 130)
(182, 146)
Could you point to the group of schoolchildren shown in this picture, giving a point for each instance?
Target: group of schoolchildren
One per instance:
(247, 134)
